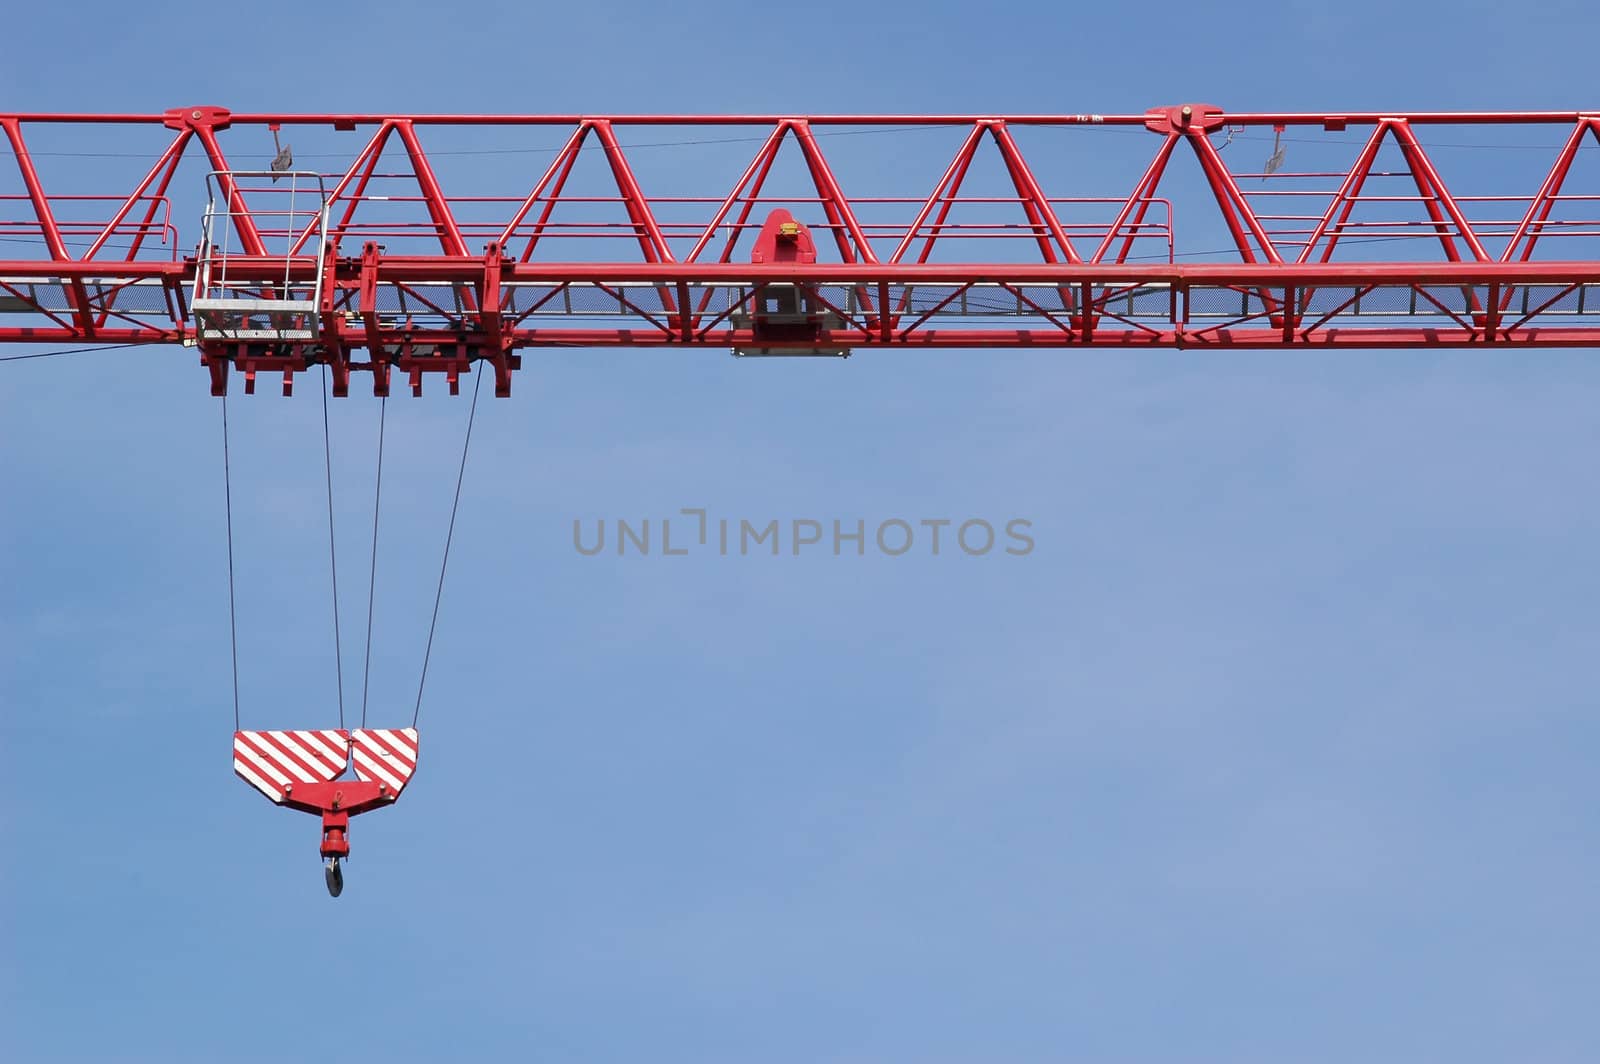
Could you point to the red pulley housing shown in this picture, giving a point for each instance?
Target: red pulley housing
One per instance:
(787, 318)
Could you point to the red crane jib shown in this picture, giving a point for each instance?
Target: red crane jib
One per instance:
(427, 244)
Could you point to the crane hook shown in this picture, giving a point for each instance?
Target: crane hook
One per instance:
(334, 876)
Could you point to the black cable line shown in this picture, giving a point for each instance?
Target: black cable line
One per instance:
(372, 579)
(82, 350)
(333, 565)
(227, 495)
(472, 413)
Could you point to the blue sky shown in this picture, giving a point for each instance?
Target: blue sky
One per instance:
(1278, 746)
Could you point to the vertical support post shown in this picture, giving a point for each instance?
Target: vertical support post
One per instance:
(335, 338)
(490, 317)
(368, 294)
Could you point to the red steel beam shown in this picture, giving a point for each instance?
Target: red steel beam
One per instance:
(467, 277)
(416, 269)
(1246, 118)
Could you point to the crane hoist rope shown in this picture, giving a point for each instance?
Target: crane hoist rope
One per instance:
(335, 773)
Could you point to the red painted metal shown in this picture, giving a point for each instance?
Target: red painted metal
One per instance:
(301, 769)
(1051, 249)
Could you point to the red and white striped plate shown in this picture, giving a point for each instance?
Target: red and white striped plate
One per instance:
(271, 760)
(387, 755)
